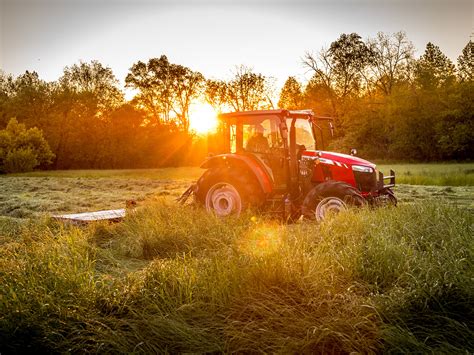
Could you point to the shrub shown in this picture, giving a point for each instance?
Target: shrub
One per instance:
(20, 160)
(22, 149)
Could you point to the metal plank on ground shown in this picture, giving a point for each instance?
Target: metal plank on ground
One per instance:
(86, 217)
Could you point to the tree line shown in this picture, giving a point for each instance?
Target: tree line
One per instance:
(385, 102)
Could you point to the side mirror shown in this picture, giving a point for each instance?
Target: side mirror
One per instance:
(353, 151)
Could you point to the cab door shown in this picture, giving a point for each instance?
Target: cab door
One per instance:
(262, 139)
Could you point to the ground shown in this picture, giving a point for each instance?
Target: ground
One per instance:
(173, 279)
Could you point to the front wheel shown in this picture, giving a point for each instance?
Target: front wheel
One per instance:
(330, 197)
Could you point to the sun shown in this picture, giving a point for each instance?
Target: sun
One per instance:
(202, 118)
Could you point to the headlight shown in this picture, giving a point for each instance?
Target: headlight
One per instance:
(362, 169)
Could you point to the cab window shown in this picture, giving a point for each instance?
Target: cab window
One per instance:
(260, 136)
(304, 133)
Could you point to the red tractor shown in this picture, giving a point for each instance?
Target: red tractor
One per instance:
(270, 160)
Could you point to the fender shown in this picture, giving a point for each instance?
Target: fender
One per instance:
(263, 177)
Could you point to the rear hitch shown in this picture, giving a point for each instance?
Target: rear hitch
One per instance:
(184, 197)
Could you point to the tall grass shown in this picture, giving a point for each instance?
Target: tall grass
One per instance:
(170, 279)
(436, 174)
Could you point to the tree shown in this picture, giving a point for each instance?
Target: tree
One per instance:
(166, 90)
(324, 78)
(153, 81)
(291, 95)
(339, 69)
(6, 92)
(187, 86)
(29, 88)
(466, 63)
(248, 90)
(392, 58)
(349, 56)
(22, 149)
(83, 98)
(318, 98)
(245, 91)
(95, 83)
(433, 69)
(215, 94)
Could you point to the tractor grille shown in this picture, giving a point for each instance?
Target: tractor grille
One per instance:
(366, 181)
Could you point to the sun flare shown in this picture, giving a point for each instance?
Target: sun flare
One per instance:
(202, 118)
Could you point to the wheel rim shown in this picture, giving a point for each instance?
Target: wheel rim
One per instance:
(223, 199)
(329, 205)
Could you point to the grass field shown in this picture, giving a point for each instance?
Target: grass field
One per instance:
(174, 279)
(53, 192)
(432, 174)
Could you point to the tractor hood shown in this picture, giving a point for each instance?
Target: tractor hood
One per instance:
(340, 158)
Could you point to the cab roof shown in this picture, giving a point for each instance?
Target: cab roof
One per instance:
(285, 113)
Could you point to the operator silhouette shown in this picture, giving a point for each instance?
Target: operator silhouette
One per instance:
(258, 143)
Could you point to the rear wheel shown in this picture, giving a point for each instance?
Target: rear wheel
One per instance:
(225, 193)
(223, 199)
(330, 197)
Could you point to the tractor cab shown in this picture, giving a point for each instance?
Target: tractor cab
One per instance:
(276, 139)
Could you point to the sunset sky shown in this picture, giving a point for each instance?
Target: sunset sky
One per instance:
(212, 36)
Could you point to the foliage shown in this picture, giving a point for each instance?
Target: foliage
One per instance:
(407, 109)
(93, 81)
(291, 95)
(434, 69)
(391, 60)
(215, 93)
(338, 70)
(20, 160)
(165, 89)
(466, 63)
(22, 149)
(246, 91)
(348, 56)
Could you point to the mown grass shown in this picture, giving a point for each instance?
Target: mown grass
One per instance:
(173, 279)
(436, 174)
(55, 192)
(27, 197)
(178, 173)
(440, 174)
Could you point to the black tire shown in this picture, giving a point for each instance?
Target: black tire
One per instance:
(331, 196)
(238, 180)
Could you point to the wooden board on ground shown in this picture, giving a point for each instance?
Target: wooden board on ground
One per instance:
(87, 217)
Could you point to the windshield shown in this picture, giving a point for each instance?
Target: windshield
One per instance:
(304, 133)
